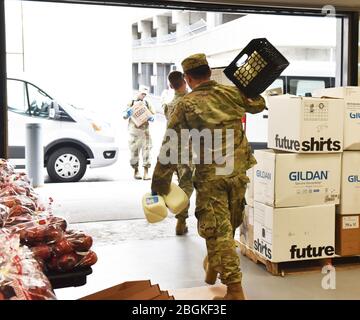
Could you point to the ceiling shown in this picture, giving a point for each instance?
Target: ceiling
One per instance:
(338, 4)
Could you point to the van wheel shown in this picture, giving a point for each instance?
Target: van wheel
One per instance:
(66, 165)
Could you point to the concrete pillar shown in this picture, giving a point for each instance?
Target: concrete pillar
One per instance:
(197, 16)
(154, 78)
(135, 34)
(144, 27)
(161, 24)
(34, 154)
(182, 21)
(213, 19)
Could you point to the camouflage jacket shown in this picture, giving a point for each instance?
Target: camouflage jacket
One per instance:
(170, 106)
(218, 109)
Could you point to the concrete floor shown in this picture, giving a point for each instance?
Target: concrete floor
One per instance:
(135, 250)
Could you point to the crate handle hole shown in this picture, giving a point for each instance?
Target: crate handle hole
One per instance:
(242, 60)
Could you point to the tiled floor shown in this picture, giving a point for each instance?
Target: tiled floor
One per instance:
(134, 250)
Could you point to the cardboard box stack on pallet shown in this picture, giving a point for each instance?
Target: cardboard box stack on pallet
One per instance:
(306, 178)
(348, 212)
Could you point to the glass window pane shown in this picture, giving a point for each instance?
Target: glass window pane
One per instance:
(39, 102)
(303, 87)
(16, 96)
(278, 83)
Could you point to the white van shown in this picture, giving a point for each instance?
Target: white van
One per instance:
(72, 137)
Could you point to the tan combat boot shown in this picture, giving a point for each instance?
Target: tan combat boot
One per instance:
(146, 174)
(181, 227)
(137, 174)
(210, 274)
(234, 292)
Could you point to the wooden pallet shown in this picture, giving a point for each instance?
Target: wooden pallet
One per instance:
(298, 267)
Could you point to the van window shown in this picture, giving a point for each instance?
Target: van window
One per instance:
(39, 102)
(278, 83)
(16, 96)
(302, 87)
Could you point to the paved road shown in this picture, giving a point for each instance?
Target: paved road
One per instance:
(108, 193)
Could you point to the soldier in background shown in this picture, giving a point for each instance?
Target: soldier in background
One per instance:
(139, 137)
(184, 172)
(220, 198)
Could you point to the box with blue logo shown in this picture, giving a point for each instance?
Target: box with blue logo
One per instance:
(351, 96)
(284, 179)
(350, 183)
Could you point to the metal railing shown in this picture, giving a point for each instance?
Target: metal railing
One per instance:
(188, 31)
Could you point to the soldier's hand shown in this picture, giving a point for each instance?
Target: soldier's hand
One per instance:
(129, 112)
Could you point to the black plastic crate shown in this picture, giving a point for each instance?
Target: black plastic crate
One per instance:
(256, 67)
(75, 278)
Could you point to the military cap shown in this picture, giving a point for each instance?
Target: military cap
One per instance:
(194, 61)
(144, 90)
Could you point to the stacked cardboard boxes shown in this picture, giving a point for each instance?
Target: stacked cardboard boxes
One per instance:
(348, 212)
(297, 184)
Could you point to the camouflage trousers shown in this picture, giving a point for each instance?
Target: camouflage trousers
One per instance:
(220, 208)
(184, 173)
(140, 141)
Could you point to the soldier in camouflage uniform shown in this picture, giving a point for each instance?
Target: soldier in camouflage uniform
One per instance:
(219, 198)
(184, 172)
(139, 138)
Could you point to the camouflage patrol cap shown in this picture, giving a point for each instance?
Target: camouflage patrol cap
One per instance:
(194, 61)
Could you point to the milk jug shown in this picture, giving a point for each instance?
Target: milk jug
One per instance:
(176, 200)
(154, 207)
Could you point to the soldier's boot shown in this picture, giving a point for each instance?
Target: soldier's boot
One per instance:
(234, 292)
(146, 174)
(181, 227)
(137, 174)
(210, 274)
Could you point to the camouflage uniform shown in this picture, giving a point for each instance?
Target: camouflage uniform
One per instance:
(219, 198)
(184, 172)
(139, 140)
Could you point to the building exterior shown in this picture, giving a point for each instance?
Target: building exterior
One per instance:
(161, 42)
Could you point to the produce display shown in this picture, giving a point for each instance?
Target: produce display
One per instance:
(25, 217)
(21, 275)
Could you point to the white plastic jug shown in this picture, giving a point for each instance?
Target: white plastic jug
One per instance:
(176, 200)
(154, 207)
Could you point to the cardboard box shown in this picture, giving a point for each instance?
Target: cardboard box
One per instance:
(247, 227)
(350, 183)
(294, 180)
(131, 290)
(141, 113)
(305, 125)
(249, 194)
(289, 234)
(347, 235)
(351, 96)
